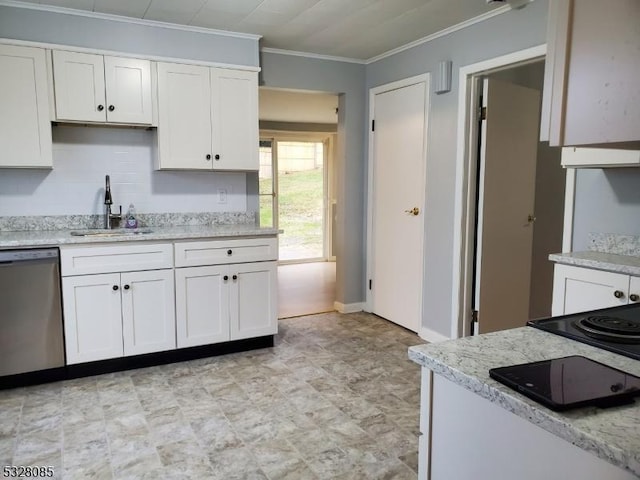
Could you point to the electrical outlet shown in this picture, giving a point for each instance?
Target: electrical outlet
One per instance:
(222, 195)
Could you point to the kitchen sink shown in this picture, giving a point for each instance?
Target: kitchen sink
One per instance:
(116, 232)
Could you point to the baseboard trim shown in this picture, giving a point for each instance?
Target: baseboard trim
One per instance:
(431, 336)
(348, 307)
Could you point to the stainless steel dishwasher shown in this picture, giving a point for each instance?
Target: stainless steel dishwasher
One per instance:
(31, 331)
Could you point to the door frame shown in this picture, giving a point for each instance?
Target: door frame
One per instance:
(465, 186)
(406, 82)
(328, 140)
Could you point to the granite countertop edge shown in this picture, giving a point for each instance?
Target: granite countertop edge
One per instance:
(590, 429)
(609, 262)
(41, 238)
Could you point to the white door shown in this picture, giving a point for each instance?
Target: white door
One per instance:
(79, 86)
(234, 96)
(25, 130)
(399, 157)
(253, 309)
(128, 90)
(506, 202)
(92, 317)
(202, 305)
(184, 116)
(148, 311)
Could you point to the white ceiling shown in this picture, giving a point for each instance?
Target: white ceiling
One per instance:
(358, 29)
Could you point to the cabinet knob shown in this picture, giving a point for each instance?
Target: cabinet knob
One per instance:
(115, 287)
(100, 108)
(208, 156)
(127, 287)
(225, 278)
(111, 108)
(618, 294)
(229, 252)
(235, 277)
(217, 157)
(634, 297)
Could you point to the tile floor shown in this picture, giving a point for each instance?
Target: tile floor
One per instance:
(336, 398)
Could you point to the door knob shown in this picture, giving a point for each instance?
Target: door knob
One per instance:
(414, 211)
(634, 297)
(618, 294)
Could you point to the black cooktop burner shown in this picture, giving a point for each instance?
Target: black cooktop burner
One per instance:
(614, 329)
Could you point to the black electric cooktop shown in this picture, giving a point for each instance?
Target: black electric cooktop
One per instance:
(616, 329)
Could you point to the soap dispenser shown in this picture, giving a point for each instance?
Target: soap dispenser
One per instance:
(131, 220)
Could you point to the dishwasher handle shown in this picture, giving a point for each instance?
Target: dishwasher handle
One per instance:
(28, 255)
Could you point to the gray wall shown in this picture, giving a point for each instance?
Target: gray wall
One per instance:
(509, 32)
(348, 81)
(80, 31)
(607, 201)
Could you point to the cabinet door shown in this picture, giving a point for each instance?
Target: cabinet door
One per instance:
(235, 119)
(592, 80)
(202, 305)
(148, 311)
(253, 300)
(79, 86)
(128, 90)
(92, 317)
(577, 289)
(25, 130)
(184, 117)
(634, 289)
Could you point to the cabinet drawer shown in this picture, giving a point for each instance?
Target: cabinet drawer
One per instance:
(118, 258)
(216, 252)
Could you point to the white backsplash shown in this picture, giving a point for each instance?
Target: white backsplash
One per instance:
(82, 156)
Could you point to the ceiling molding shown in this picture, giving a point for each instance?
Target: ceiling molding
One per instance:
(123, 19)
(442, 33)
(317, 56)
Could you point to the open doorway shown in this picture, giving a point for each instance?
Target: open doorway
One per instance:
(482, 266)
(297, 195)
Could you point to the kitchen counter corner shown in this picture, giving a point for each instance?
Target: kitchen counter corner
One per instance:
(610, 434)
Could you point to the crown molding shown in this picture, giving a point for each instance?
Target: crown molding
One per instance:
(122, 19)
(442, 33)
(316, 56)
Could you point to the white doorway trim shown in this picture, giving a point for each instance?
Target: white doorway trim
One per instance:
(422, 78)
(465, 177)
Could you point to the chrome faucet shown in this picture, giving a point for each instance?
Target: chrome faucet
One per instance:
(108, 201)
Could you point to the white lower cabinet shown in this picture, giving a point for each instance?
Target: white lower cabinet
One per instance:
(225, 290)
(579, 289)
(465, 436)
(202, 306)
(115, 314)
(253, 294)
(92, 317)
(118, 300)
(225, 302)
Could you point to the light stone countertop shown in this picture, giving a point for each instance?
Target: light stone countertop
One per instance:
(600, 261)
(38, 238)
(612, 434)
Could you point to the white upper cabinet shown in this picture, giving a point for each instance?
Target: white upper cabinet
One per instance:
(94, 88)
(25, 129)
(578, 157)
(591, 88)
(184, 116)
(234, 114)
(207, 118)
